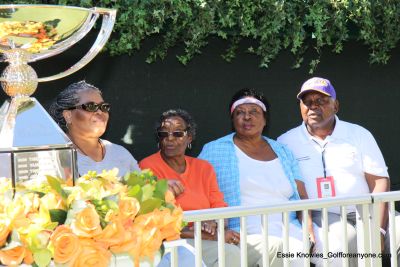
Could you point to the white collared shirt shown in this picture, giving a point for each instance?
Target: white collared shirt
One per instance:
(350, 151)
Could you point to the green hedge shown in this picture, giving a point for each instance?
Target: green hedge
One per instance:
(296, 25)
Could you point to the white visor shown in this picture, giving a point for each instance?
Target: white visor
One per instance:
(248, 100)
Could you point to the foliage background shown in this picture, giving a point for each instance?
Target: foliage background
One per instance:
(274, 25)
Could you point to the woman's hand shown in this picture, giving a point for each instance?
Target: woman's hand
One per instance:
(176, 187)
(232, 237)
(209, 227)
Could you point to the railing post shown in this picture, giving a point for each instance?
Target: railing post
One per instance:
(362, 227)
(325, 239)
(392, 233)
(174, 257)
(197, 244)
(286, 237)
(221, 243)
(306, 238)
(375, 233)
(243, 241)
(345, 243)
(264, 233)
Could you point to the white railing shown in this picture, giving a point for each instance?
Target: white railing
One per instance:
(368, 234)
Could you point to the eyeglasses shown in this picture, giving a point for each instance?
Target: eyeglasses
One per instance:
(93, 107)
(177, 134)
(317, 102)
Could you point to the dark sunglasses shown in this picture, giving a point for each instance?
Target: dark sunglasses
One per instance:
(317, 102)
(93, 107)
(165, 134)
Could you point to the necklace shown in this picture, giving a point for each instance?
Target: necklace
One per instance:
(101, 145)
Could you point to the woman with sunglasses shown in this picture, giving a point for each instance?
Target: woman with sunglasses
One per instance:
(192, 181)
(82, 113)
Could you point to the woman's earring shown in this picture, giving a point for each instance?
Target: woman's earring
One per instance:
(158, 145)
(189, 146)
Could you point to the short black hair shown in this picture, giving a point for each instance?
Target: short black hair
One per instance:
(191, 126)
(249, 92)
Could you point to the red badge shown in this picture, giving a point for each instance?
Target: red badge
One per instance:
(326, 187)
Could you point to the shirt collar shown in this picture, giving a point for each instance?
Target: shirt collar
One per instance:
(338, 131)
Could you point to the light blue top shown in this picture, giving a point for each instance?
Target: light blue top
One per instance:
(221, 154)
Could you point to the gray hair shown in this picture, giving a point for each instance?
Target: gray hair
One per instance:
(66, 99)
(184, 115)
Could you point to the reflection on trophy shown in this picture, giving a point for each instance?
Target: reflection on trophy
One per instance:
(32, 145)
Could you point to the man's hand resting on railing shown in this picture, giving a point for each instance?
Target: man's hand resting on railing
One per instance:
(232, 237)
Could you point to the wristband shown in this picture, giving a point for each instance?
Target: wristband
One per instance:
(383, 231)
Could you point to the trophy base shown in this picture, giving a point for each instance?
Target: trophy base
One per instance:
(32, 145)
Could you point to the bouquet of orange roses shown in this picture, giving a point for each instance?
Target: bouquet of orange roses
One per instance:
(88, 224)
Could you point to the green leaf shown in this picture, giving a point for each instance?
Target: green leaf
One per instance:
(42, 257)
(55, 184)
(161, 188)
(58, 215)
(134, 179)
(149, 205)
(85, 186)
(170, 206)
(148, 190)
(136, 192)
(111, 204)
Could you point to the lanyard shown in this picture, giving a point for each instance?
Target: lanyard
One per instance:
(322, 155)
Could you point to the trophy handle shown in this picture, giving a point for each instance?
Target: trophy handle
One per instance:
(107, 25)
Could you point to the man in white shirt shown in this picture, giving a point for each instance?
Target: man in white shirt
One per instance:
(336, 158)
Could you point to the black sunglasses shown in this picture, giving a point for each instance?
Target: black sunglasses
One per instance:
(165, 134)
(93, 107)
(318, 102)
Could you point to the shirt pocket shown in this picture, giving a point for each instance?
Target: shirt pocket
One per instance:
(342, 156)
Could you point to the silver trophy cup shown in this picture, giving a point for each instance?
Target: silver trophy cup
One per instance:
(32, 145)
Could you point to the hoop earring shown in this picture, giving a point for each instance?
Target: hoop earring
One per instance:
(189, 146)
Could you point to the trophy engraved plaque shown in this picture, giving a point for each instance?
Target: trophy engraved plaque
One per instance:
(32, 145)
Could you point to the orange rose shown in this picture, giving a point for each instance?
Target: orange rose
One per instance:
(128, 207)
(148, 236)
(129, 242)
(92, 254)
(4, 231)
(60, 230)
(28, 259)
(171, 224)
(66, 244)
(112, 234)
(86, 223)
(12, 257)
(152, 241)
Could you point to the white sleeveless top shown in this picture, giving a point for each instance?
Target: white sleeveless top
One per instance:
(262, 182)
